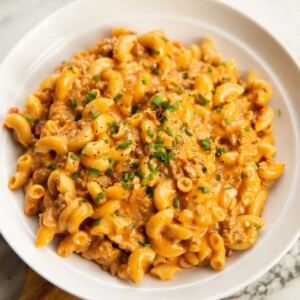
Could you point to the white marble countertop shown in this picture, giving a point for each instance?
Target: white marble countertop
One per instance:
(281, 17)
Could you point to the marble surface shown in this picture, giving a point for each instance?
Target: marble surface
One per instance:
(281, 17)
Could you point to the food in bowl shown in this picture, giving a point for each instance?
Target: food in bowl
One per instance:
(142, 154)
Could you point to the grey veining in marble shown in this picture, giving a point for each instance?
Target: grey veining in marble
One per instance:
(282, 17)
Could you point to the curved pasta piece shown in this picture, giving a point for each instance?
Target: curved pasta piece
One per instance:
(85, 136)
(51, 143)
(23, 172)
(80, 213)
(226, 91)
(163, 194)
(64, 83)
(21, 127)
(138, 263)
(165, 271)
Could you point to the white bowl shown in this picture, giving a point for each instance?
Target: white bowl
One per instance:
(78, 26)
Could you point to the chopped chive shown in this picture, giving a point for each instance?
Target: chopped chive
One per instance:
(227, 188)
(179, 91)
(223, 63)
(220, 150)
(279, 113)
(131, 175)
(177, 139)
(125, 145)
(145, 80)
(218, 177)
(71, 69)
(127, 131)
(96, 114)
(242, 175)
(165, 104)
(144, 244)
(127, 186)
(150, 166)
(129, 227)
(74, 103)
(156, 100)
(118, 97)
(150, 132)
(205, 100)
(106, 141)
(36, 121)
(149, 191)
(74, 156)
(28, 119)
(257, 227)
(96, 78)
(189, 133)
(96, 223)
(83, 201)
(163, 119)
(134, 109)
(135, 164)
(141, 174)
(227, 121)
(101, 196)
(204, 169)
(226, 78)
(83, 150)
(93, 172)
(204, 189)
(91, 96)
(169, 149)
(210, 69)
(109, 170)
(149, 146)
(173, 107)
(185, 75)
(78, 117)
(165, 39)
(75, 175)
(151, 176)
(169, 131)
(154, 51)
(247, 129)
(219, 108)
(176, 202)
(51, 167)
(144, 183)
(114, 124)
(205, 144)
(156, 71)
(126, 176)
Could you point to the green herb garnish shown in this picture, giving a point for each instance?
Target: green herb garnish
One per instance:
(74, 156)
(91, 96)
(93, 172)
(204, 189)
(205, 144)
(118, 97)
(125, 144)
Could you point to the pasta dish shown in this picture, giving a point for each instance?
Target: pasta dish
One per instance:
(146, 155)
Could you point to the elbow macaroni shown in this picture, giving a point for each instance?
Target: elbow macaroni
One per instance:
(144, 155)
